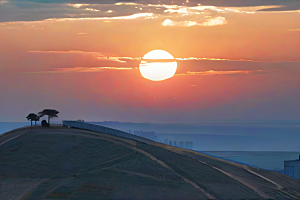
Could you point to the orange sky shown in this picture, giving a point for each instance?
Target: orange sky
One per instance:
(86, 67)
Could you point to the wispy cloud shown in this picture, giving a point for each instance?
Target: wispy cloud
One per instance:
(133, 16)
(237, 72)
(209, 22)
(212, 72)
(214, 21)
(294, 29)
(221, 59)
(78, 5)
(19, 10)
(82, 69)
(92, 9)
(169, 22)
(98, 55)
(287, 8)
(104, 56)
(71, 51)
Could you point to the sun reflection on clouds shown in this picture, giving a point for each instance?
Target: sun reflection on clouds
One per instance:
(134, 16)
(126, 3)
(91, 9)
(169, 22)
(177, 12)
(209, 22)
(103, 56)
(215, 21)
(78, 5)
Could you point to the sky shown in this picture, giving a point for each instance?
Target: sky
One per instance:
(236, 59)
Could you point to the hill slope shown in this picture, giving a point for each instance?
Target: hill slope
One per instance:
(61, 163)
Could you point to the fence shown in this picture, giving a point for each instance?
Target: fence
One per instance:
(103, 129)
(51, 125)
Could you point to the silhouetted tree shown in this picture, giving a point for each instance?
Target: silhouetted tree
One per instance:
(50, 112)
(33, 117)
(37, 118)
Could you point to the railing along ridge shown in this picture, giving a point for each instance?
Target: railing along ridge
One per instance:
(103, 129)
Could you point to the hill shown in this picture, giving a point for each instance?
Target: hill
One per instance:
(66, 163)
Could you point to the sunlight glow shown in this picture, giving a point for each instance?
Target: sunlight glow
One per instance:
(158, 54)
(158, 70)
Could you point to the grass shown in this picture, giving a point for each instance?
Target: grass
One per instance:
(216, 183)
(77, 167)
(109, 184)
(73, 167)
(44, 155)
(143, 164)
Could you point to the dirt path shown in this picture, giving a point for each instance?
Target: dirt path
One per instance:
(279, 187)
(184, 178)
(262, 194)
(24, 132)
(243, 181)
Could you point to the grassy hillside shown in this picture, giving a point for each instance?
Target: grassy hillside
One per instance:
(66, 166)
(76, 164)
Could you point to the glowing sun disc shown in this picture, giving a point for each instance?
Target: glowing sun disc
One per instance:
(158, 71)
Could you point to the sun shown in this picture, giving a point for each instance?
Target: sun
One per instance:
(158, 65)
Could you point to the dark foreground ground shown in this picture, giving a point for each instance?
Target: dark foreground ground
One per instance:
(66, 163)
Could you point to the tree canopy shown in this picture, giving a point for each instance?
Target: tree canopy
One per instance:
(50, 112)
(33, 117)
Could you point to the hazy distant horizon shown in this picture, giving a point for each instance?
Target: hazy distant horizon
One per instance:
(270, 135)
(215, 121)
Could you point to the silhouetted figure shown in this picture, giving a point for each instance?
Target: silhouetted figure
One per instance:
(50, 112)
(33, 117)
(45, 124)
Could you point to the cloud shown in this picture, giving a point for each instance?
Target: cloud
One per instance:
(220, 59)
(209, 22)
(133, 16)
(291, 7)
(214, 21)
(78, 5)
(60, 52)
(223, 3)
(229, 67)
(84, 61)
(91, 9)
(245, 3)
(169, 22)
(98, 55)
(78, 1)
(39, 10)
(212, 72)
(36, 11)
(82, 69)
(105, 56)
